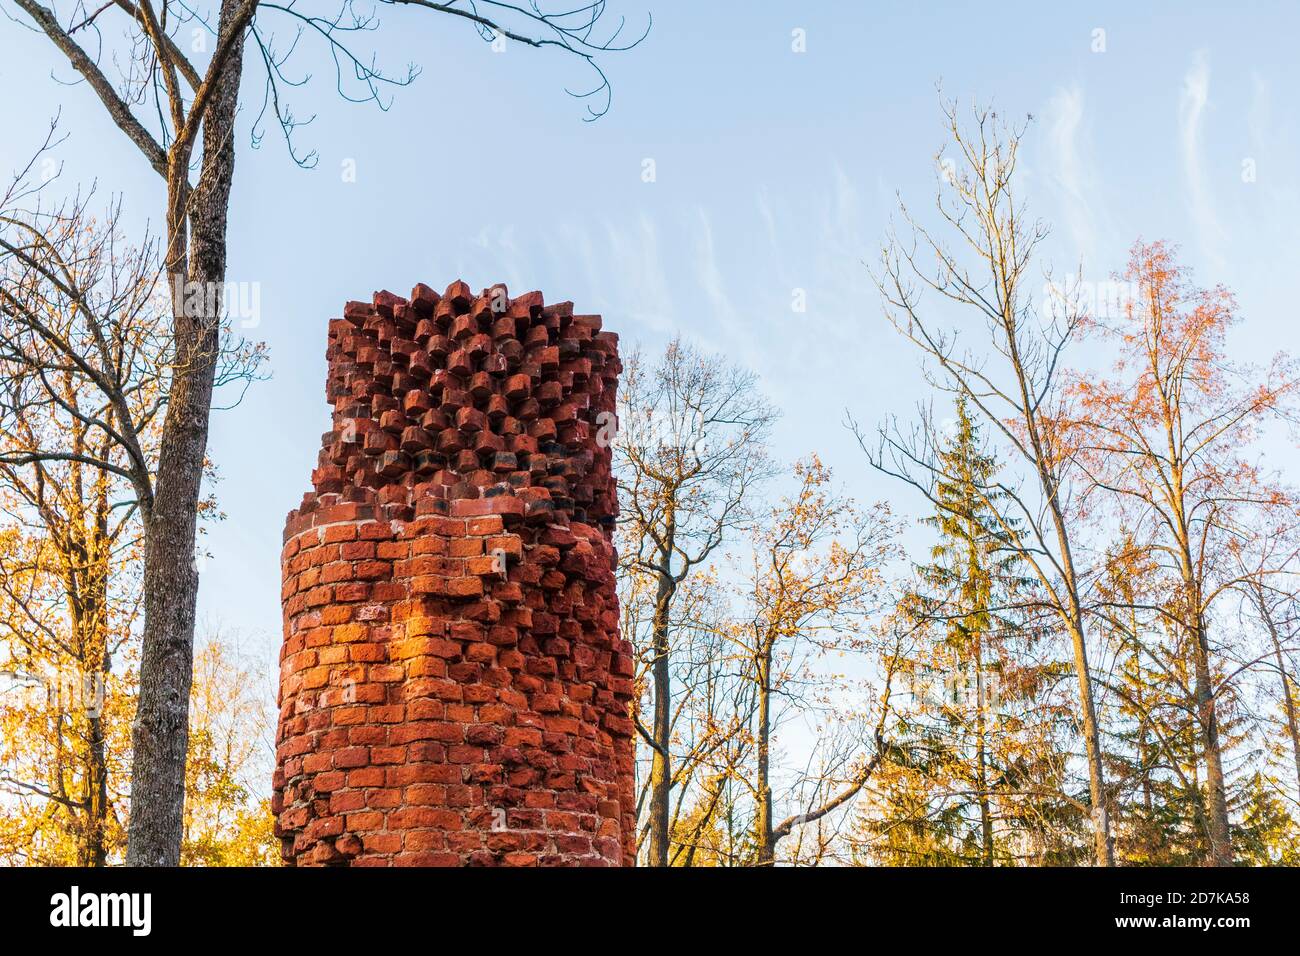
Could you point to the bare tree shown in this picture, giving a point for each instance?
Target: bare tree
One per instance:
(710, 712)
(79, 391)
(180, 112)
(87, 345)
(61, 481)
(1007, 366)
(1167, 436)
(691, 447)
(814, 579)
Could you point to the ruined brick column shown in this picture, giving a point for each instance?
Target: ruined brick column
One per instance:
(454, 689)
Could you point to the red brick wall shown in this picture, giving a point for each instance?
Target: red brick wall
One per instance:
(453, 689)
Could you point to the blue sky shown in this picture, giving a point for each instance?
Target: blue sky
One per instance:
(774, 171)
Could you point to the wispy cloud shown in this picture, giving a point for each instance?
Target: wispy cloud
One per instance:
(1259, 119)
(846, 245)
(768, 215)
(1070, 172)
(843, 223)
(1261, 128)
(1191, 116)
(638, 267)
(722, 304)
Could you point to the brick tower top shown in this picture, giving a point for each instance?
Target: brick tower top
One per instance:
(467, 405)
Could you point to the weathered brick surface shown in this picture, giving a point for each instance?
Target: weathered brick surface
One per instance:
(453, 688)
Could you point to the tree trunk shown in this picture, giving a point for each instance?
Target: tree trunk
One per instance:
(981, 761)
(97, 776)
(1103, 847)
(661, 755)
(86, 554)
(161, 730)
(763, 837)
(1220, 833)
(96, 850)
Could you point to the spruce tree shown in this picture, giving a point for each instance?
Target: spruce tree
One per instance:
(982, 743)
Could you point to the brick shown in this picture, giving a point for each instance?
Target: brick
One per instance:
(464, 587)
(464, 547)
(499, 505)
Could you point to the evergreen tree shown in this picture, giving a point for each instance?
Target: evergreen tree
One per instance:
(1267, 835)
(974, 778)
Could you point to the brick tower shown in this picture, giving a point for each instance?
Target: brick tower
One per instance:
(453, 686)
